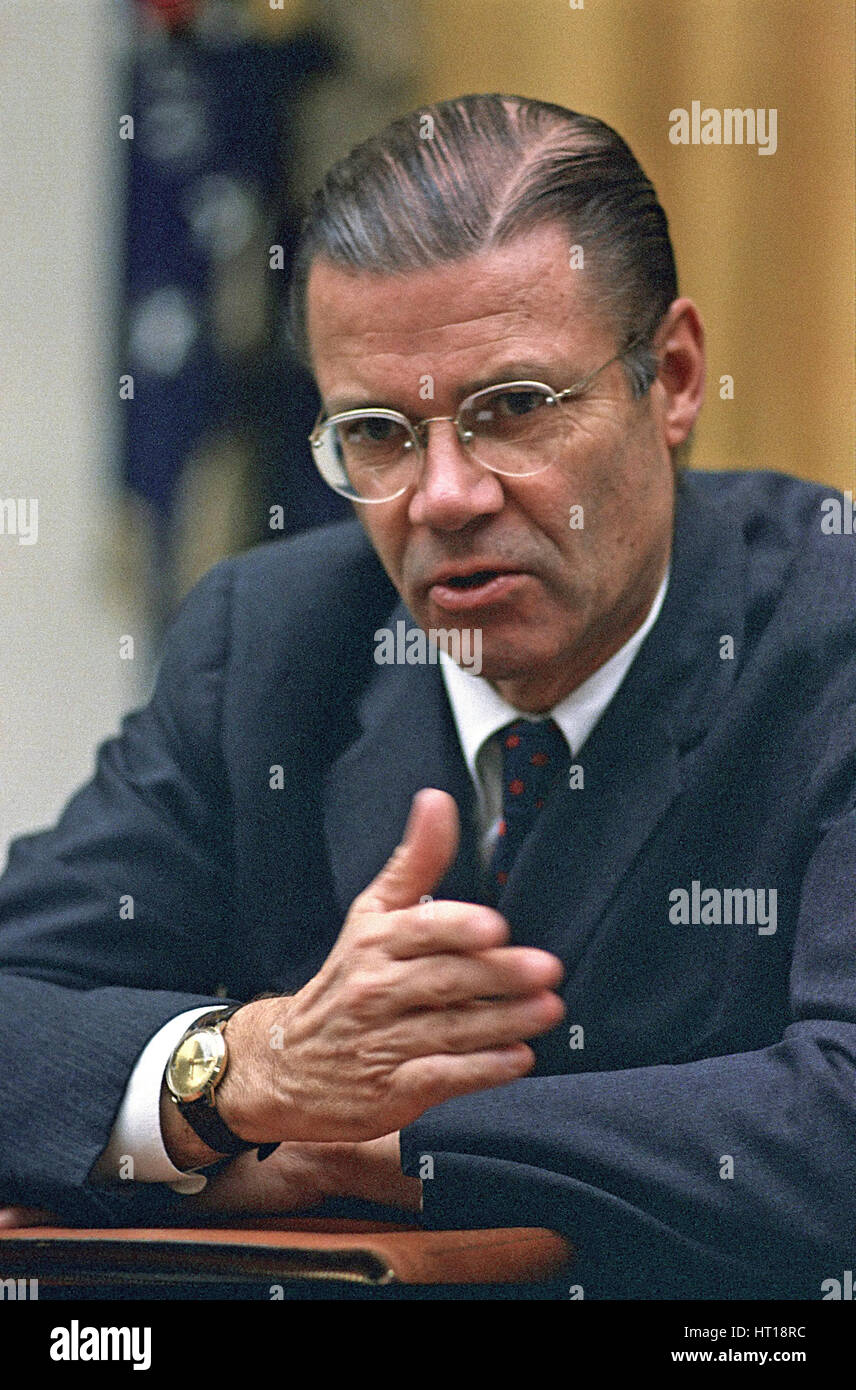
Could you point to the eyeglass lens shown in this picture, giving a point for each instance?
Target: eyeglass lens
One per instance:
(515, 431)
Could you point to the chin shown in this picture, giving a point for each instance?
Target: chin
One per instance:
(509, 662)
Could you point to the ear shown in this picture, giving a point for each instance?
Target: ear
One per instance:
(679, 344)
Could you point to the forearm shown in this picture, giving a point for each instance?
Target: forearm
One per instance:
(748, 1159)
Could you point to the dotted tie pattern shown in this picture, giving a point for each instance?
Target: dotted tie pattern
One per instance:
(534, 755)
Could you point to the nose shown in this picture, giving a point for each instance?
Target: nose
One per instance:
(452, 488)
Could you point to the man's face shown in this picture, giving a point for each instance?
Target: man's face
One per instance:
(563, 599)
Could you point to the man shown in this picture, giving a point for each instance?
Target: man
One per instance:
(606, 981)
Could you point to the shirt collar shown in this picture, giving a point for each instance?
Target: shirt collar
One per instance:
(480, 711)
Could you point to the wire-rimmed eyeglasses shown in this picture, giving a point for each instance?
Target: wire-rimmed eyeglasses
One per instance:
(373, 454)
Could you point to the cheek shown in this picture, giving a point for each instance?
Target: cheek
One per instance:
(613, 499)
(580, 508)
(388, 536)
(628, 474)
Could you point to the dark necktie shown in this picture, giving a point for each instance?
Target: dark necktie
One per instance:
(534, 756)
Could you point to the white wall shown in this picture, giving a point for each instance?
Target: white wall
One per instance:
(62, 610)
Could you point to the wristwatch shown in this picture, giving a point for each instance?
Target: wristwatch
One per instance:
(196, 1067)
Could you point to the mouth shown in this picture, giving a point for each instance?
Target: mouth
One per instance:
(459, 590)
(471, 581)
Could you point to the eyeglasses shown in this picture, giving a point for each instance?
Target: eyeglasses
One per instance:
(374, 454)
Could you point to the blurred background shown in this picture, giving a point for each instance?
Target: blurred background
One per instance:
(153, 152)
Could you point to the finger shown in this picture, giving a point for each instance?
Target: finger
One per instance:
(442, 1076)
(441, 981)
(25, 1216)
(427, 850)
(439, 927)
(472, 1029)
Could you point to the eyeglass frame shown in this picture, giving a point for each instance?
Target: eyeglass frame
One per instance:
(417, 427)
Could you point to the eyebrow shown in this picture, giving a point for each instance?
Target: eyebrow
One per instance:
(512, 371)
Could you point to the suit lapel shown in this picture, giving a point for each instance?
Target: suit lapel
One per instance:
(406, 741)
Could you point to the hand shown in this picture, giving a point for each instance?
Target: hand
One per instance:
(298, 1177)
(416, 1003)
(27, 1216)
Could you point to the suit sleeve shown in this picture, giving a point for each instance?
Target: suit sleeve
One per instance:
(112, 922)
(633, 1165)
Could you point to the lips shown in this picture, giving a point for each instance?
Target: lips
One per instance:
(469, 576)
(475, 586)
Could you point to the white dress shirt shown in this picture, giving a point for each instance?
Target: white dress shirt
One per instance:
(479, 713)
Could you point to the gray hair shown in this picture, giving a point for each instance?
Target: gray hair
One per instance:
(456, 178)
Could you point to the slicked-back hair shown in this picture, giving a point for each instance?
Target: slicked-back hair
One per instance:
(460, 177)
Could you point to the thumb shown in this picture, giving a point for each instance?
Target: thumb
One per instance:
(427, 849)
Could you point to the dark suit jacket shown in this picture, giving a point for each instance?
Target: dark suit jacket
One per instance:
(708, 1049)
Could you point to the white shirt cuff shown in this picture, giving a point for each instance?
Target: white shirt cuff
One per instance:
(136, 1149)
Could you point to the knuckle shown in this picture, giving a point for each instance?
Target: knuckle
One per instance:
(371, 932)
(362, 904)
(365, 994)
(364, 917)
(376, 1057)
(420, 932)
(373, 1084)
(432, 1076)
(462, 1034)
(442, 988)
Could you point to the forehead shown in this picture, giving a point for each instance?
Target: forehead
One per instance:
(369, 333)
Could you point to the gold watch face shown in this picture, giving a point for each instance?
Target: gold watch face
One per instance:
(196, 1064)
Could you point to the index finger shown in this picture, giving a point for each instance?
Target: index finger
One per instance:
(443, 926)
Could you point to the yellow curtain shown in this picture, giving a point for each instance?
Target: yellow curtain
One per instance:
(765, 243)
